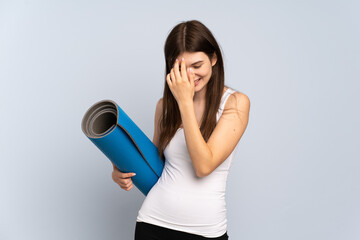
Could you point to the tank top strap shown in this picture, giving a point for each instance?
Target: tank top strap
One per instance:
(225, 96)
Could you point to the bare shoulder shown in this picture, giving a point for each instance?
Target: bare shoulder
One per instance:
(159, 105)
(158, 111)
(239, 101)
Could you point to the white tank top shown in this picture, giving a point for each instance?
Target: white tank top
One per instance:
(182, 201)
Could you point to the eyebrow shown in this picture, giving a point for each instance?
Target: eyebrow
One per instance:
(196, 62)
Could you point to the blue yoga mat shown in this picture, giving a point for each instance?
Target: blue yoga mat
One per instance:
(122, 141)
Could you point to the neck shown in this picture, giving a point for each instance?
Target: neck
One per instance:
(199, 97)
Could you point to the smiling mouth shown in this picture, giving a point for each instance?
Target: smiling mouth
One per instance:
(197, 80)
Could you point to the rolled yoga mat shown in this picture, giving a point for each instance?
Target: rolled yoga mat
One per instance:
(122, 141)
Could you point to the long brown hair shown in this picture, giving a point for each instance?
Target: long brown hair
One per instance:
(190, 36)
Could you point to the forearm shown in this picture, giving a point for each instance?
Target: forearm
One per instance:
(199, 151)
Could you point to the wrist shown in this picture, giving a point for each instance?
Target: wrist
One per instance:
(186, 104)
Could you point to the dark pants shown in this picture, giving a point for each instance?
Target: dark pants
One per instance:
(147, 231)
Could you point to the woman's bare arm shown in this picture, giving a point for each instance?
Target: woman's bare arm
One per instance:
(158, 112)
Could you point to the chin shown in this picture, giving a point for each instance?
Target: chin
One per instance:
(198, 89)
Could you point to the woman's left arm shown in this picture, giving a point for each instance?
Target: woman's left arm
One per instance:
(206, 157)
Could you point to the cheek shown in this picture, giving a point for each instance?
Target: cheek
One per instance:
(203, 72)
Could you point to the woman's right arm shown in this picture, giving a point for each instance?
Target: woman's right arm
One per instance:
(124, 179)
(158, 113)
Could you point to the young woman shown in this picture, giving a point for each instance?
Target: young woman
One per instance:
(198, 124)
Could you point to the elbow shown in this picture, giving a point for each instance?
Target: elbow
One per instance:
(202, 173)
(204, 169)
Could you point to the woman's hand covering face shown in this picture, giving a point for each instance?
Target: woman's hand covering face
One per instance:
(181, 82)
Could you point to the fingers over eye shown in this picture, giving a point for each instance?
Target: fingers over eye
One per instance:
(176, 71)
(183, 69)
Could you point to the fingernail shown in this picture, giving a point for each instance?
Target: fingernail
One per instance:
(177, 60)
(182, 59)
(191, 69)
(134, 174)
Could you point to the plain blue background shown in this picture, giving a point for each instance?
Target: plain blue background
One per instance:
(296, 172)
